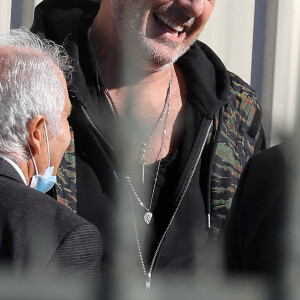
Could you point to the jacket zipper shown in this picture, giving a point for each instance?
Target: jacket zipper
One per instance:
(208, 203)
(151, 269)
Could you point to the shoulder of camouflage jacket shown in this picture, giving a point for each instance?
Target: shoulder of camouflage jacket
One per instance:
(66, 178)
(240, 129)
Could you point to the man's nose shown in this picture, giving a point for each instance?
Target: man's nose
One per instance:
(193, 8)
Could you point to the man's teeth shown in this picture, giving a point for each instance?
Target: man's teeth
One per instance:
(170, 23)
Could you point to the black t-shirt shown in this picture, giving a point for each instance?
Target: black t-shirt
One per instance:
(162, 206)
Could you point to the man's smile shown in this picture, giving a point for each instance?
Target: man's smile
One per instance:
(170, 25)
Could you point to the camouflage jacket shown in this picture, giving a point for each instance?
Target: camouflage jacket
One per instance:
(222, 130)
(235, 135)
(239, 136)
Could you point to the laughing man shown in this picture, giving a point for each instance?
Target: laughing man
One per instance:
(156, 110)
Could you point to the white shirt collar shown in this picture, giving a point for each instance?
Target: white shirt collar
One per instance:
(16, 167)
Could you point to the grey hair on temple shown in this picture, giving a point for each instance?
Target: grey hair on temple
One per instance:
(29, 87)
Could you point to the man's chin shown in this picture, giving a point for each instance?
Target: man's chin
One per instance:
(162, 56)
(159, 60)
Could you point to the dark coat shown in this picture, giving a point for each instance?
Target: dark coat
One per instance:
(254, 235)
(37, 231)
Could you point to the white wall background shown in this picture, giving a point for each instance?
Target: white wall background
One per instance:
(5, 8)
(229, 33)
(287, 69)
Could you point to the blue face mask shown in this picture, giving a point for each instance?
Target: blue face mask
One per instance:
(45, 182)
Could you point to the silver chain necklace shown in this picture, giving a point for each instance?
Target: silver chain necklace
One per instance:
(143, 159)
(149, 273)
(148, 216)
(98, 70)
(144, 145)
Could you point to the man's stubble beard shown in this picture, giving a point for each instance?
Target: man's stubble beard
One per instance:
(153, 54)
(148, 49)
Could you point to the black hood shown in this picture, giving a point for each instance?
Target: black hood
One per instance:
(66, 22)
(58, 19)
(206, 77)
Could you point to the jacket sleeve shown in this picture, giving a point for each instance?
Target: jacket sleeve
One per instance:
(232, 241)
(254, 234)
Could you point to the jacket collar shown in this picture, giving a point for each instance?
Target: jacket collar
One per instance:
(7, 170)
(207, 80)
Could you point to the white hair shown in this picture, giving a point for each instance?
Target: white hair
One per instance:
(29, 87)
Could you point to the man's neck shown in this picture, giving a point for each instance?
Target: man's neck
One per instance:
(124, 77)
(27, 169)
(139, 90)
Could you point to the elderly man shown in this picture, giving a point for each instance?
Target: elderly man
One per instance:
(37, 232)
(192, 124)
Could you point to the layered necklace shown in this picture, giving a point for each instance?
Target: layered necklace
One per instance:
(148, 216)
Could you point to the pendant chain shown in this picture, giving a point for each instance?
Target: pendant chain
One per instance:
(146, 274)
(144, 145)
(158, 167)
(166, 110)
(98, 70)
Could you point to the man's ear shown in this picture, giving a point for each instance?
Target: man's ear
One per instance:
(36, 134)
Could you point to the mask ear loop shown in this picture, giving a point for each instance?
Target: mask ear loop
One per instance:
(47, 142)
(34, 163)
